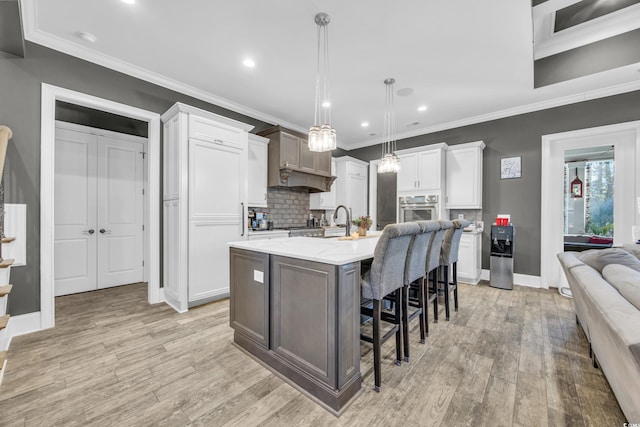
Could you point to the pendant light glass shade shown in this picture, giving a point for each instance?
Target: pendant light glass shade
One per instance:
(389, 161)
(322, 137)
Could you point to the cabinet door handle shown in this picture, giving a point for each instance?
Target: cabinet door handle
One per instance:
(103, 231)
(265, 196)
(90, 231)
(242, 217)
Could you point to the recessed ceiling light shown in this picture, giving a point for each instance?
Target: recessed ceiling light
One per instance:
(249, 63)
(405, 91)
(128, 1)
(364, 124)
(422, 108)
(88, 37)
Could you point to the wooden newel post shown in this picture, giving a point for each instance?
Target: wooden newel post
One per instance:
(5, 136)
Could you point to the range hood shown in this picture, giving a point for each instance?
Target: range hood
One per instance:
(292, 165)
(305, 179)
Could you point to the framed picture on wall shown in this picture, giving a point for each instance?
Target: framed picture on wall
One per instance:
(510, 167)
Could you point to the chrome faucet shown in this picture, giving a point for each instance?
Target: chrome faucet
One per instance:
(347, 231)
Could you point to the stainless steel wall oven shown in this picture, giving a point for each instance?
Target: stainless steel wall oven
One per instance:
(417, 208)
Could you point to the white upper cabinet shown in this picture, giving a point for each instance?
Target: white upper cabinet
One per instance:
(258, 158)
(421, 169)
(351, 186)
(464, 176)
(326, 200)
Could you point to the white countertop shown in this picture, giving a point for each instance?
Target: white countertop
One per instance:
(325, 250)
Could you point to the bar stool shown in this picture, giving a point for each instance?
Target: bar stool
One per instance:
(433, 267)
(449, 257)
(385, 277)
(415, 272)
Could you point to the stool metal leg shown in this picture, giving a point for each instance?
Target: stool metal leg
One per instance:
(405, 321)
(398, 295)
(455, 282)
(423, 309)
(446, 290)
(434, 279)
(376, 344)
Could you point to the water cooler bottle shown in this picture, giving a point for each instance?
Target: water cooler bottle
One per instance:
(502, 250)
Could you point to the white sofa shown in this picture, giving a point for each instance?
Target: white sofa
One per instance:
(610, 320)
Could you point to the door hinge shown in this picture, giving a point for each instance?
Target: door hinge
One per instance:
(144, 154)
(143, 263)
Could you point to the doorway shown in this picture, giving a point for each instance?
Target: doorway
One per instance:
(50, 95)
(624, 138)
(99, 214)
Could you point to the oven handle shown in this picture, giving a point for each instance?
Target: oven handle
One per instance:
(421, 205)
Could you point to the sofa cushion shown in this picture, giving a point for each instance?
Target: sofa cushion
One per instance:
(600, 258)
(625, 280)
(632, 248)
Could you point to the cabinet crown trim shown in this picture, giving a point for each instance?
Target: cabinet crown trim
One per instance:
(351, 159)
(179, 107)
(257, 138)
(422, 148)
(480, 144)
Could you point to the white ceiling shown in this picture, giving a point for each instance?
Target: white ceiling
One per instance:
(467, 60)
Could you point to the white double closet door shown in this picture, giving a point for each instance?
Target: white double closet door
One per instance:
(99, 209)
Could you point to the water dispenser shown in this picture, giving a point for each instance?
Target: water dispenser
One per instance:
(502, 251)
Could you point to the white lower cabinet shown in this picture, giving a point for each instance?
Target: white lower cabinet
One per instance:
(266, 235)
(470, 258)
(205, 203)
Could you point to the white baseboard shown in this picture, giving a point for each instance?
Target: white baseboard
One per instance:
(20, 325)
(518, 279)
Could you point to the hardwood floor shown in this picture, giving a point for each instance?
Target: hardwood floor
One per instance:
(512, 358)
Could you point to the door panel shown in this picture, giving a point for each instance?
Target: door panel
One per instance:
(75, 212)
(120, 212)
(98, 187)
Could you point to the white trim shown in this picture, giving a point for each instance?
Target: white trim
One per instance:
(627, 157)
(546, 42)
(51, 94)
(31, 33)
(421, 148)
(518, 279)
(20, 325)
(509, 112)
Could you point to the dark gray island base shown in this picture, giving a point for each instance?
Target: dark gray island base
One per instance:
(301, 319)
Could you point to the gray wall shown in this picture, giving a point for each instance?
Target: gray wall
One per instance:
(20, 85)
(521, 136)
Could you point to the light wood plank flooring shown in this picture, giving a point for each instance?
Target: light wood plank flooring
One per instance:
(507, 358)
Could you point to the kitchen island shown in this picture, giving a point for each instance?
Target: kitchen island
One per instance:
(295, 306)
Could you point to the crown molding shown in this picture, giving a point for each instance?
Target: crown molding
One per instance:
(528, 108)
(34, 35)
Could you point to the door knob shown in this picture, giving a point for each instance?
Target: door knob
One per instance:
(90, 231)
(103, 231)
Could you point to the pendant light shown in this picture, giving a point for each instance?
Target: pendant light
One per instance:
(322, 137)
(576, 187)
(389, 162)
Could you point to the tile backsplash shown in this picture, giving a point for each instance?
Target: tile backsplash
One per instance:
(287, 207)
(469, 214)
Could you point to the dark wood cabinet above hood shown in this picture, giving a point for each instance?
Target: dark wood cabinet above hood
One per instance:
(291, 164)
